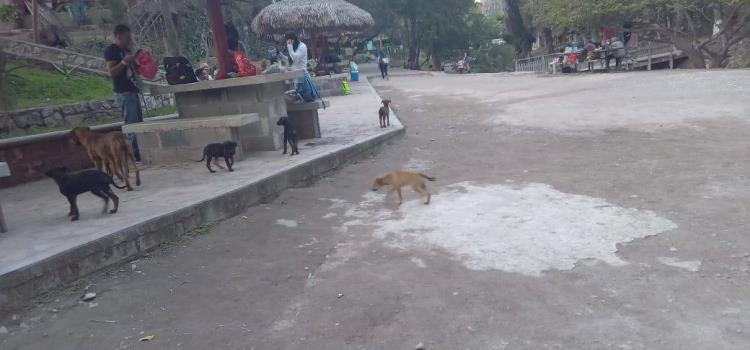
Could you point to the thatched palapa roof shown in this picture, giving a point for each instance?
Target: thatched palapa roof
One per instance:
(319, 16)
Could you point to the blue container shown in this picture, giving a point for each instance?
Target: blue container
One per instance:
(355, 76)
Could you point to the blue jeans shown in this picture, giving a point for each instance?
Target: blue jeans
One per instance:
(130, 103)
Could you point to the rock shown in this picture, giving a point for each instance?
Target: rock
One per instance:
(24, 325)
(68, 109)
(96, 105)
(420, 346)
(147, 338)
(47, 112)
(75, 119)
(3, 330)
(80, 108)
(55, 120)
(88, 296)
(340, 295)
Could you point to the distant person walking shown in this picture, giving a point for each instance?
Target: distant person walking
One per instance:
(121, 63)
(383, 62)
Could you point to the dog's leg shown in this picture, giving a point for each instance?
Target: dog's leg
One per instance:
(115, 200)
(400, 197)
(73, 208)
(131, 157)
(286, 139)
(388, 119)
(121, 169)
(293, 144)
(422, 190)
(229, 166)
(216, 162)
(208, 164)
(101, 195)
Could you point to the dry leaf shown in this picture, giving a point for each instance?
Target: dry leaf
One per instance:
(147, 338)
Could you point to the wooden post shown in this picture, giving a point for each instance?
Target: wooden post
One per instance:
(216, 19)
(671, 60)
(649, 55)
(35, 19)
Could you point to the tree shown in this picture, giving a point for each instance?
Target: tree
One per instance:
(515, 25)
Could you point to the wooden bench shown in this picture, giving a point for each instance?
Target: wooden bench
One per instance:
(4, 172)
(304, 116)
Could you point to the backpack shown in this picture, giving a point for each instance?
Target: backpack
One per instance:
(179, 71)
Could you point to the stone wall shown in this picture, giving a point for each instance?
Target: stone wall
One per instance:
(29, 157)
(18, 123)
(36, 52)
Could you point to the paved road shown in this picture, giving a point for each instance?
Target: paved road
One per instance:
(558, 222)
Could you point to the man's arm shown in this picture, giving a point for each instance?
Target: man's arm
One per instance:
(115, 68)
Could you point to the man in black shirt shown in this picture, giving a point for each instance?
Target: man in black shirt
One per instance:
(120, 61)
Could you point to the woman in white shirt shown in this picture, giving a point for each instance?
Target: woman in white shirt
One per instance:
(298, 55)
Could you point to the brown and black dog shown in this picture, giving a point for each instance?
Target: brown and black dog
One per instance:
(384, 114)
(398, 179)
(111, 150)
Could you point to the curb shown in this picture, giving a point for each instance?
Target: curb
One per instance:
(19, 287)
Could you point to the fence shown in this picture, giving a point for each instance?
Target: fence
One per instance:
(535, 64)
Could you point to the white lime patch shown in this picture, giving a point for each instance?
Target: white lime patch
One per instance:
(287, 223)
(419, 262)
(526, 230)
(690, 265)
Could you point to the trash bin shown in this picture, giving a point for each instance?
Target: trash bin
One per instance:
(355, 76)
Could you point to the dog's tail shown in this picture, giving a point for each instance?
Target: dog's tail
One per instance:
(202, 159)
(429, 178)
(112, 182)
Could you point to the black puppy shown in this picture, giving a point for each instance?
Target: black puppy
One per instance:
(290, 134)
(384, 114)
(224, 150)
(94, 181)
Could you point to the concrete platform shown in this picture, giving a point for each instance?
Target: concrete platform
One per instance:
(43, 250)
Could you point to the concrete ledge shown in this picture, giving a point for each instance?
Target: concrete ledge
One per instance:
(20, 285)
(4, 170)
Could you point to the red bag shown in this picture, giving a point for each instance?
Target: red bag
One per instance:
(147, 67)
(245, 68)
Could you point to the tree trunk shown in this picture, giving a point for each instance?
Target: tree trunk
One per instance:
(522, 39)
(695, 56)
(171, 39)
(547, 40)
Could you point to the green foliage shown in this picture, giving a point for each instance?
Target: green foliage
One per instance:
(157, 112)
(493, 59)
(119, 11)
(40, 88)
(9, 13)
(9, 82)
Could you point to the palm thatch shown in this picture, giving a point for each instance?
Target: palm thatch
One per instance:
(316, 16)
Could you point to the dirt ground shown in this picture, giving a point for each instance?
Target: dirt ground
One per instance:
(604, 211)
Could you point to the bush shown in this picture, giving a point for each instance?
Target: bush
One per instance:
(493, 59)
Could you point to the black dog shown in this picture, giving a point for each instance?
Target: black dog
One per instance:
(384, 113)
(224, 150)
(290, 134)
(94, 181)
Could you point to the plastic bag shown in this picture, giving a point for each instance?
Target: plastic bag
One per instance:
(245, 68)
(147, 67)
(354, 67)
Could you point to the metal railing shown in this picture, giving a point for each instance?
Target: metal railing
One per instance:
(536, 63)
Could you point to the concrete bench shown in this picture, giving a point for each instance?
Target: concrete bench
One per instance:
(183, 140)
(4, 172)
(304, 116)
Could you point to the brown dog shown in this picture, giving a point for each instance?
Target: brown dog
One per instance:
(398, 179)
(111, 150)
(384, 114)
